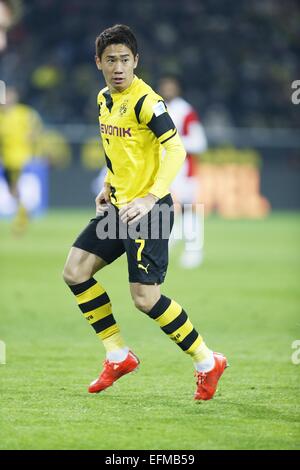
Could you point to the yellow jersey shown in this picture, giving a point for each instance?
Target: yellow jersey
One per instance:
(134, 126)
(19, 125)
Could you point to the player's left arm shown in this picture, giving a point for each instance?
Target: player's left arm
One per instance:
(173, 158)
(155, 115)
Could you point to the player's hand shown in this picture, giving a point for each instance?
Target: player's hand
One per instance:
(103, 199)
(136, 209)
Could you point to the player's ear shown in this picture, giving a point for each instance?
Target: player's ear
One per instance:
(98, 62)
(136, 61)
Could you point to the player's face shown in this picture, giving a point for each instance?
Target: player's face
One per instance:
(169, 89)
(117, 64)
(5, 22)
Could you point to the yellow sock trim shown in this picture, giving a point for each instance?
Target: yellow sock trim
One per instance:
(113, 342)
(200, 353)
(170, 314)
(90, 294)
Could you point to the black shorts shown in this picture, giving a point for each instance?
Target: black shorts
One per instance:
(145, 243)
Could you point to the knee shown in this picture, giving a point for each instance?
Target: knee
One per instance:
(72, 275)
(143, 303)
(68, 275)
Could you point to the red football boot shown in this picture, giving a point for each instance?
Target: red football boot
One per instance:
(113, 371)
(207, 381)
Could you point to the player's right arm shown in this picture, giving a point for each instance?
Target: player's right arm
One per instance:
(103, 198)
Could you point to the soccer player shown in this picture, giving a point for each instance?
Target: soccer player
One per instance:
(7, 14)
(20, 130)
(185, 187)
(135, 126)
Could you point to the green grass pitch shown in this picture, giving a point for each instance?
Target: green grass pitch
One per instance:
(244, 300)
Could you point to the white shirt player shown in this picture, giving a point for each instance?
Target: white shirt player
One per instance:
(185, 188)
(191, 131)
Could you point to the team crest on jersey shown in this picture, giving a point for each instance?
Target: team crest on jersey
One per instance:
(123, 108)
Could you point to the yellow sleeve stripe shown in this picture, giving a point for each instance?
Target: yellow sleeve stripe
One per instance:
(167, 138)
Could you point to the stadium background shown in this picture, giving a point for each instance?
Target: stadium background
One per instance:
(237, 62)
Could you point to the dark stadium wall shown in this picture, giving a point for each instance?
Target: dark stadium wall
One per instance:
(280, 181)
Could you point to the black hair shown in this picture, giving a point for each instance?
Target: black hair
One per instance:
(117, 34)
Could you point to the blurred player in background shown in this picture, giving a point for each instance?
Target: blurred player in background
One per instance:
(135, 126)
(185, 188)
(21, 127)
(8, 14)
